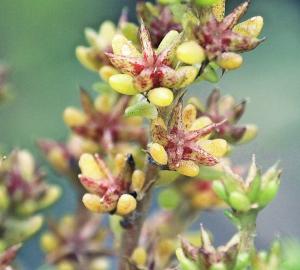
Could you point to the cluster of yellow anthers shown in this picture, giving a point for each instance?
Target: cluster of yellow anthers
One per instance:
(115, 192)
(183, 144)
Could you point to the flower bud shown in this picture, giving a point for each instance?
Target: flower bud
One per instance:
(74, 117)
(49, 242)
(94, 203)
(137, 180)
(251, 27)
(268, 193)
(191, 53)
(139, 256)
(169, 199)
(249, 135)
(158, 153)
(189, 74)
(217, 147)
(220, 190)
(123, 84)
(106, 72)
(229, 60)
(83, 54)
(188, 168)
(65, 265)
(126, 204)
(161, 96)
(89, 166)
(239, 201)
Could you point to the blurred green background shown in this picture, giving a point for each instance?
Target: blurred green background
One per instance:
(38, 39)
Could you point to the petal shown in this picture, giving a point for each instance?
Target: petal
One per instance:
(144, 81)
(167, 76)
(217, 147)
(251, 27)
(159, 132)
(186, 75)
(94, 186)
(122, 46)
(189, 115)
(128, 65)
(148, 52)
(200, 156)
(232, 19)
(175, 122)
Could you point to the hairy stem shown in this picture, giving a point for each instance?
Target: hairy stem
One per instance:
(131, 234)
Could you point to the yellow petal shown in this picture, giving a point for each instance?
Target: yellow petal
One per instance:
(93, 203)
(106, 71)
(139, 256)
(229, 60)
(191, 53)
(103, 103)
(107, 30)
(126, 204)
(123, 84)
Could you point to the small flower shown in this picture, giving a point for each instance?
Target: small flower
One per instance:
(225, 35)
(184, 142)
(110, 192)
(159, 20)
(103, 122)
(219, 108)
(74, 240)
(150, 69)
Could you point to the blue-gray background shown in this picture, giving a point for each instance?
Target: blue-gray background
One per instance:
(38, 38)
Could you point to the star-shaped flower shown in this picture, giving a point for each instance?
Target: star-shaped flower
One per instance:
(217, 37)
(185, 144)
(104, 121)
(151, 69)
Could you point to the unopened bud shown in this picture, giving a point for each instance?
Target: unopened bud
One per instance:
(74, 117)
(239, 201)
(89, 166)
(137, 180)
(139, 256)
(251, 27)
(188, 168)
(229, 60)
(94, 203)
(220, 190)
(217, 147)
(126, 204)
(106, 72)
(268, 193)
(123, 84)
(161, 96)
(158, 153)
(49, 242)
(191, 53)
(249, 135)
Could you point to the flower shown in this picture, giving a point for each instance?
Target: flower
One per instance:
(103, 122)
(219, 108)
(183, 143)
(151, 69)
(110, 192)
(225, 35)
(76, 241)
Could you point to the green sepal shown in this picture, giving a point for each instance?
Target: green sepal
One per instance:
(220, 190)
(185, 263)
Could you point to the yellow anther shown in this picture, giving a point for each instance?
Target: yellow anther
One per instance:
(120, 162)
(126, 204)
(123, 84)
(122, 46)
(74, 117)
(251, 27)
(89, 166)
(94, 203)
(57, 159)
(230, 60)
(49, 242)
(200, 123)
(169, 38)
(188, 168)
(137, 180)
(158, 153)
(161, 96)
(106, 72)
(139, 256)
(191, 53)
(84, 56)
(190, 74)
(217, 147)
(189, 115)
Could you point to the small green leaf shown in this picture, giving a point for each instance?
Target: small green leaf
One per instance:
(142, 108)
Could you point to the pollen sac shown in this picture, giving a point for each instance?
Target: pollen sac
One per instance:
(126, 204)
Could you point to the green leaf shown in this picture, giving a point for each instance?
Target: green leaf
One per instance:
(142, 108)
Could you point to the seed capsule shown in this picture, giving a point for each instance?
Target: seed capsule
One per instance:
(106, 72)
(239, 201)
(158, 153)
(123, 84)
(137, 180)
(49, 242)
(89, 166)
(188, 168)
(161, 96)
(74, 117)
(230, 60)
(251, 27)
(190, 53)
(126, 204)
(139, 256)
(217, 147)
